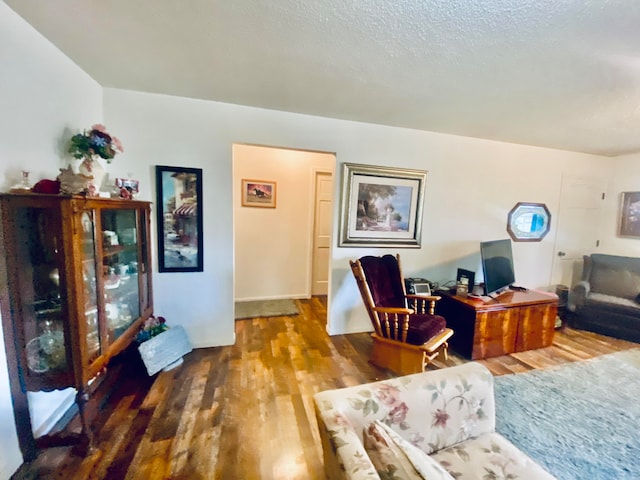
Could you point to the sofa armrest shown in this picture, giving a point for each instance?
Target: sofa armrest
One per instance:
(578, 295)
(343, 451)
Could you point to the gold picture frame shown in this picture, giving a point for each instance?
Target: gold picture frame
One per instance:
(258, 193)
(381, 206)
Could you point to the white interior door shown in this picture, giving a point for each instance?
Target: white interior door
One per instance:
(322, 233)
(579, 215)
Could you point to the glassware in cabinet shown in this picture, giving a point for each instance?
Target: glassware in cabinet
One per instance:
(121, 254)
(38, 296)
(90, 285)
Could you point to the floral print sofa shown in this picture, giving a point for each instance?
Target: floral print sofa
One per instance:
(437, 424)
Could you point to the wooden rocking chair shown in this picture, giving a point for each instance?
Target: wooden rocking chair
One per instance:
(408, 335)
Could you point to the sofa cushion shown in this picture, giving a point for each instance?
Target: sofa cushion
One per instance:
(394, 457)
(489, 456)
(610, 303)
(613, 275)
(421, 463)
(388, 459)
(617, 283)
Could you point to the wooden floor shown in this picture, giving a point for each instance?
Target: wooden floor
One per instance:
(245, 411)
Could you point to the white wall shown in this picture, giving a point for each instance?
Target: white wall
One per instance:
(471, 186)
(44, 97)
(268, 239)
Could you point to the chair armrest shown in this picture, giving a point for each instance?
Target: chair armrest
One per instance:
(395, 310)
(578, 295)
(428, 298)
(423, 303)
(435, 343)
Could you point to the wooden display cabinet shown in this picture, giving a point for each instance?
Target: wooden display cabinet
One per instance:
(78, 273)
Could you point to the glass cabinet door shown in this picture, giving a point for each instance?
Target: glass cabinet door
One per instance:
(39, 298)
(89, 284)
(144, 267)
(120, 266)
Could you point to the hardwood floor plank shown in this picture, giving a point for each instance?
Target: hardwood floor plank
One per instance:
(106, 468)
(245, 411)
(306, 426)
(181, 443)
(124, 458)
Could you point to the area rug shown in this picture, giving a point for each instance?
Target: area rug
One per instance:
(580, 421)
(266, 308)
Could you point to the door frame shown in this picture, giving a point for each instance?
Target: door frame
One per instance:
(314, 173)
(562, 212)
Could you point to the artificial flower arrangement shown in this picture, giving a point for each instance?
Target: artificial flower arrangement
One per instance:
(152, 326)
(95, 142)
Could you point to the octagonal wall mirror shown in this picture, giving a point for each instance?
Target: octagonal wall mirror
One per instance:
(528, 222)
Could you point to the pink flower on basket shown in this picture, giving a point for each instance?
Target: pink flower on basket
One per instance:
(152, 326)
(387, 394)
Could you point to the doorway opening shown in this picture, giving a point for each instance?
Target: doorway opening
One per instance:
(282, 247)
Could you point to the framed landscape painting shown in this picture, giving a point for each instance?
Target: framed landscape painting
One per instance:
(381, 206)
(179, 217)
(258, 193)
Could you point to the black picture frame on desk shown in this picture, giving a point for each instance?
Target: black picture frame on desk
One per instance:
(466, 277)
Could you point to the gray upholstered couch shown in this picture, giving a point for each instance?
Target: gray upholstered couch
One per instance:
(607, 299)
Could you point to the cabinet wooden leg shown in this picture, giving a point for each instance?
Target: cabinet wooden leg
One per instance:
(88, 438)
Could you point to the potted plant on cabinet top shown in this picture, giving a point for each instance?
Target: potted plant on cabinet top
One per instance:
(91, 145)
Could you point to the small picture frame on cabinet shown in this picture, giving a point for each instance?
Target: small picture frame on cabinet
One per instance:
(132, 185)
(466, 277)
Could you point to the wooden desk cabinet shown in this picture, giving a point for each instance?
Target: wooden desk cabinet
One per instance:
(514, 322)
(79, 286)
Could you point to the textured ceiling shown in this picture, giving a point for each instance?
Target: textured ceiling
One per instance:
(556, 73)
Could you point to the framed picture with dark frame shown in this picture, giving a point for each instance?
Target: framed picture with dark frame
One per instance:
(466, 277)
(381, 206)
(179, 219)
(629, 225)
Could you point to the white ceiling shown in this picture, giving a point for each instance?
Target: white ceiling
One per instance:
(557, 73)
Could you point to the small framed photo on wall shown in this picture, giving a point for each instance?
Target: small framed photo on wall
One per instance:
(258, 193)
